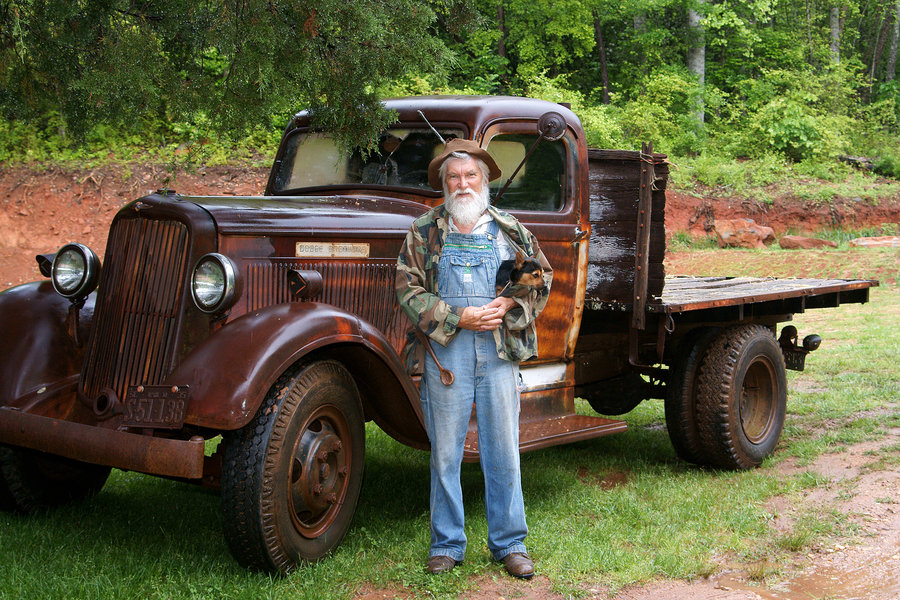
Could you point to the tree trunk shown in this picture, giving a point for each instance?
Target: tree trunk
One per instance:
(639, 54)
(640, 23)
(836, 35)
(878, 50)
(891, 69)
(696, 56)
(809, 31)
(601, 52)
(501, 24)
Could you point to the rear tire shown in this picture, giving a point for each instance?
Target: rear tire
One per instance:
(741, 397)
(31, 480)
(681, 397)
(291, 477)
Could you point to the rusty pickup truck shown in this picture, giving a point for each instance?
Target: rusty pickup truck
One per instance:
(271, 323)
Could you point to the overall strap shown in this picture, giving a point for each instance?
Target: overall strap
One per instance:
(493, 232)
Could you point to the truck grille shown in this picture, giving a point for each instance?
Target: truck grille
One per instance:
(140, 297)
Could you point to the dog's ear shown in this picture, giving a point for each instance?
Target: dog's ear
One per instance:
(520, 259)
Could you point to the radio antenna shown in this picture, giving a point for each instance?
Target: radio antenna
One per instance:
(432, 127)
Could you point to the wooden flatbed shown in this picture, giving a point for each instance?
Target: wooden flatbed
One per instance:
(683, 294)
(761, 295)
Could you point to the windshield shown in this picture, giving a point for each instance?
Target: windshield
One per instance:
(314, 159)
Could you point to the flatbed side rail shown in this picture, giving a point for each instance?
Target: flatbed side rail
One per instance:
(684, 294)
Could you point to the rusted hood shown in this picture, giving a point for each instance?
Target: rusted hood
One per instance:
(284, 215)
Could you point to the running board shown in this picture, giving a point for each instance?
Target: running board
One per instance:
(544, 433)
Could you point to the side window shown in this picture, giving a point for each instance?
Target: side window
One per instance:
(539, 183)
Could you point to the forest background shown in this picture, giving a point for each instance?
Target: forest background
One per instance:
(739, 93)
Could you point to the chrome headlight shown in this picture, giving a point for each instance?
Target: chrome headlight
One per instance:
(75, 271)
(212, 284)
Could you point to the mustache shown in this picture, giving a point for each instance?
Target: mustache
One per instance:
(465, 192)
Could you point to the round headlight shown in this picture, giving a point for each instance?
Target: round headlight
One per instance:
(75, 271)
(212, 284)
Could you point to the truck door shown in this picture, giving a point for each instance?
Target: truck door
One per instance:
(546, 197)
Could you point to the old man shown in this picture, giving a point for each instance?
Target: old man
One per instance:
(446, 286)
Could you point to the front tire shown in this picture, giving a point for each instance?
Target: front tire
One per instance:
(741, 397)
(291, 477)
(32, 480)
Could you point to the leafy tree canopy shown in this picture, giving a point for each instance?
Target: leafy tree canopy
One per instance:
(234, 64)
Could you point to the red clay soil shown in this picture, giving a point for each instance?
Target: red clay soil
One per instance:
(42, 210)
(696, 214)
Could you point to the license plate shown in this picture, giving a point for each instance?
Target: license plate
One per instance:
(794, 359)
(156, 406)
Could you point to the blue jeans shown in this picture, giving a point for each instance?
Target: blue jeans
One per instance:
(480, 376)
(466, 278)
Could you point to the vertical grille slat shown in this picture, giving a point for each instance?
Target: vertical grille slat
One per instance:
(135, 327)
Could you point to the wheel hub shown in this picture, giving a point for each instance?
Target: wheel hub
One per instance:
(757, 407)
(318, 473)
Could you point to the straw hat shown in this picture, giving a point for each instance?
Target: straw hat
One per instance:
(471, 148)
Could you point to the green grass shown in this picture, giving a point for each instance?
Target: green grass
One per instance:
(603, 513)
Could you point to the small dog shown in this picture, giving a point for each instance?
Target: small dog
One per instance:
(523, 270)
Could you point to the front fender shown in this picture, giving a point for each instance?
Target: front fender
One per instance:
(231, 371)
(39, 359)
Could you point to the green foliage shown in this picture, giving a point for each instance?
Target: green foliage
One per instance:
(201, 77)
(843, 236)
(732, 176)
(682, 241)
(235, 64)
(665, 112)
(789, 128)
(547, 34)
(888, 162)
(797, 113)
(601, 125)
(181, 144)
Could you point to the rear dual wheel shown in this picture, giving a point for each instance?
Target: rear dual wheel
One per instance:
(729, 398)
(291, 477)
(681, 403)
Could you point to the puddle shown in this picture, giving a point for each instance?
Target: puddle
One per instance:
(828, 584)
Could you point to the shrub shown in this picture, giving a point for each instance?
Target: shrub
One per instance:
(665, 111)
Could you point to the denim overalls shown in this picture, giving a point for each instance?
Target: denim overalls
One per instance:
(466, 275)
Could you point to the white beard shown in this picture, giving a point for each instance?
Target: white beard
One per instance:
(467, 208)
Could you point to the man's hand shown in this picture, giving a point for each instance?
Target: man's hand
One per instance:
(487, 317)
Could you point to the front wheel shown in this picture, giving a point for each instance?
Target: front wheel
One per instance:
(741, 397)
(291, 477)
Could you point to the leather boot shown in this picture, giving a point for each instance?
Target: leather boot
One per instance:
(519, 565)
(440, 564)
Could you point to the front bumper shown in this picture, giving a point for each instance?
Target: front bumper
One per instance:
(129, 451)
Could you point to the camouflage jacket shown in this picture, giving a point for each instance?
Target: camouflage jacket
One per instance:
(416, 286)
